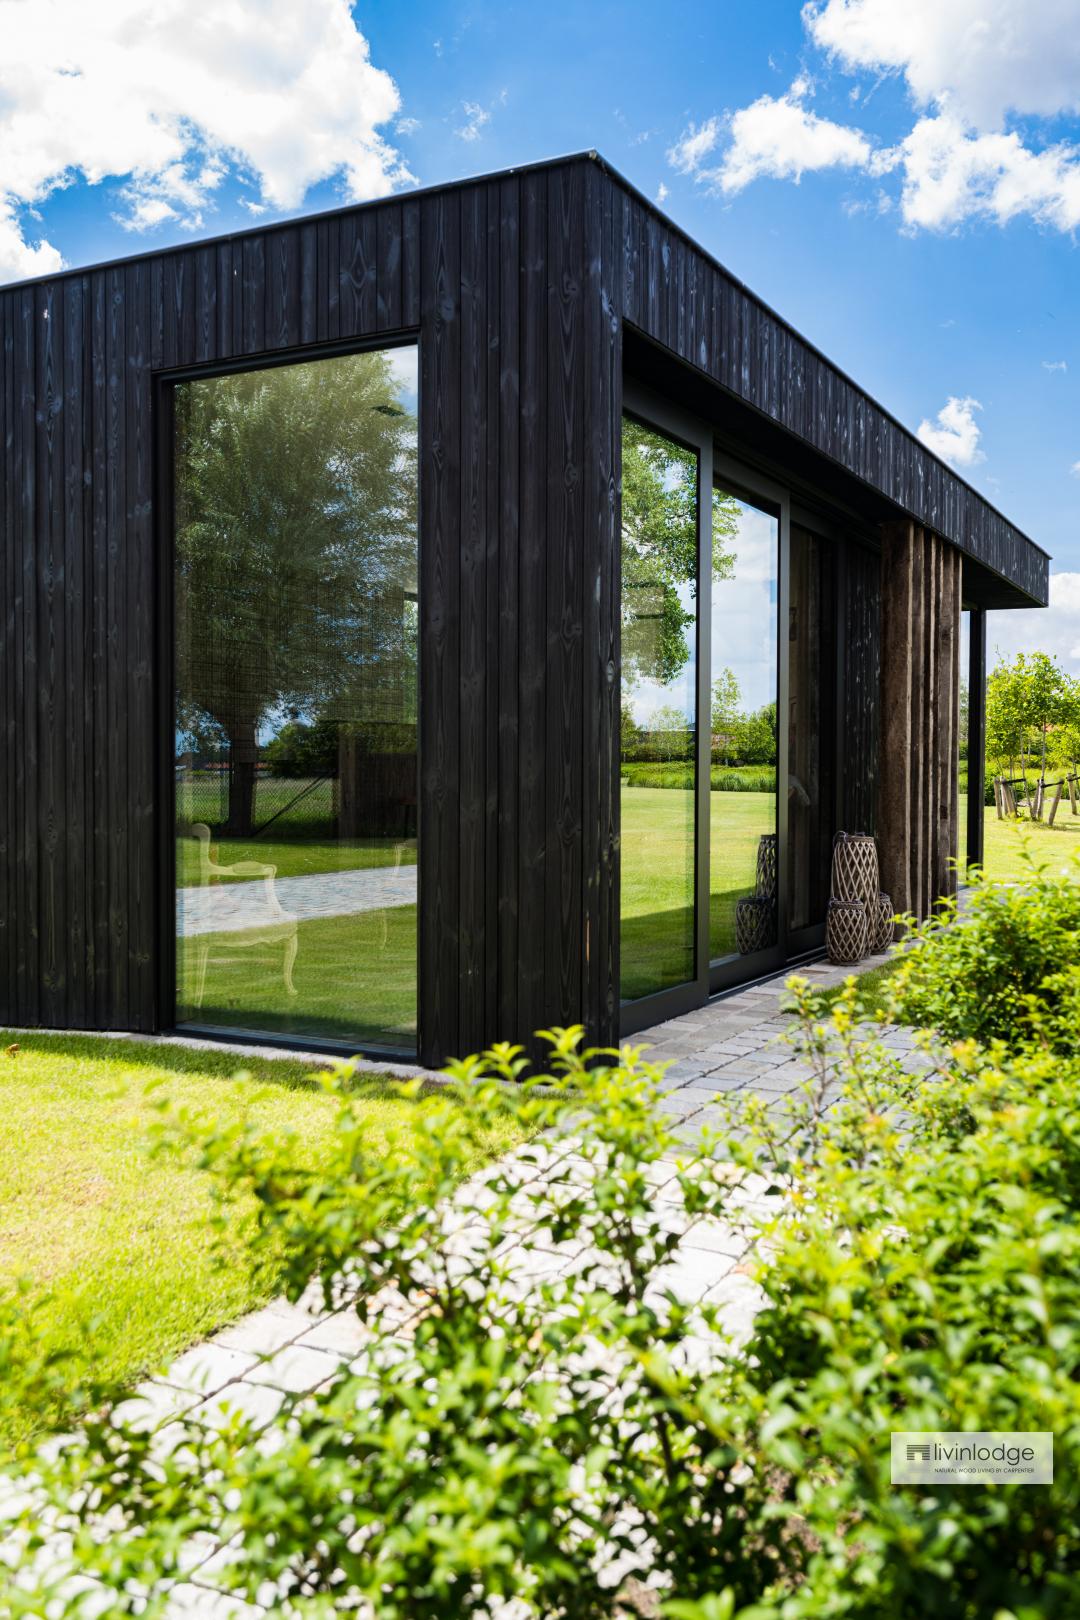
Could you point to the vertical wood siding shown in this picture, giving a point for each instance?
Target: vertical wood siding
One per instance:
(508, 287)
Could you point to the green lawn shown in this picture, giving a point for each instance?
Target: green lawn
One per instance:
(657, 879)
(294, 857)
(104, 1232)
(355, 980)
(1004, 840)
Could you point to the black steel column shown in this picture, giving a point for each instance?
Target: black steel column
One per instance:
(976, 748)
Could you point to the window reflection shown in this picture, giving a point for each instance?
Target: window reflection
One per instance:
(659, 710)
(810, 688)
(296, 683)
(743, 877)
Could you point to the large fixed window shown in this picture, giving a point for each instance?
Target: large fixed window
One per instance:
(296, 656)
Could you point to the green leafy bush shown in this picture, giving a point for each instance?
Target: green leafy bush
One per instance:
(998, 969)
(538, 1418)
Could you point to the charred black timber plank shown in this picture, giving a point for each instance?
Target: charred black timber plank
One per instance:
(506, 683)
(357, 278)
(388, 263)
(117, 793)
(141, 736)
(27, 672)
(492, 548)
(472, 407)
(98, 773)
(283, 289)
(440, 475)
(308, 331)
(532, 596)
(253, 294)
(51, 717)
(76, 687)
(565, 608)
(206, 288)
(410, 263)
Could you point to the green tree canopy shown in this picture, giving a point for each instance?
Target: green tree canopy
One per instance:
(659, 551)
(295, 551)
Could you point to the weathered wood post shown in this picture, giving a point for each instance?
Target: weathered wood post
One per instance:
(920, 707)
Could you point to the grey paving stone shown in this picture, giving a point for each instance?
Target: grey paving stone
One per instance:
(295, 1368)
(207, 1368)
(341, 1334)
(264, 1331)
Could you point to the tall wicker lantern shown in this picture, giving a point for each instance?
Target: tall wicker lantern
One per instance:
(855, 877)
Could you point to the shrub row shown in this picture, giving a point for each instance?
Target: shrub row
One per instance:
(584, 1444)
(723, 778)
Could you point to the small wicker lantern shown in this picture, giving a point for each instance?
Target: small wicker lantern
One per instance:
(845, 931)
(755, 924)
(884, 936)
(767, 865)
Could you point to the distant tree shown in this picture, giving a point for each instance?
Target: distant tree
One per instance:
(726, 704)
(295, 550)
(756, 737)
(303, 750)
(1028, 700)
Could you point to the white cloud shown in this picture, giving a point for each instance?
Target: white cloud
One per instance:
(969, 65)
(979, 58)
(694, 145)
(475, 119)
(661, 192)
(1055, 365)
(168, 98)
(20, 258)
(955, 435)
(951, 175)
(1055, 629)
(406, 126)
(1075, 469)
(779, 137)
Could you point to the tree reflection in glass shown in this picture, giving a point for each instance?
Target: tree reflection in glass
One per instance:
(296, 698)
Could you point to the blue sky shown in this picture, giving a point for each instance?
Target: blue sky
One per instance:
(901, 181)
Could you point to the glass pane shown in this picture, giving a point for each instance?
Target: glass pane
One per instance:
(296, 683)
(659, 710)
(743, 836)
(809, 732)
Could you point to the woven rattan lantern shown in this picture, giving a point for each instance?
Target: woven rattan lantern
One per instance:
(884, 936)
(755, 924)
(845, 931)
(855, 877)
(767, 865)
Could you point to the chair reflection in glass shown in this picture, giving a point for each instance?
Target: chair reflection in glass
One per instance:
(256, 919)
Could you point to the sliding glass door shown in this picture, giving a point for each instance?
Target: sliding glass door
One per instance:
(296, 658)
(728, 671)
(659, 704)
(744, 871)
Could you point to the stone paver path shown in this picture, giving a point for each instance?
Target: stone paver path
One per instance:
(733, 1044)
(232, 907)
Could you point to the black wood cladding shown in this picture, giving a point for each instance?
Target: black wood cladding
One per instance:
(507, 285)
(516, 288)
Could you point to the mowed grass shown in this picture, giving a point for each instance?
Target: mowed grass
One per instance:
(355, 979)
(1004, 841)
(294, 857)
(657, 879)
(117, 1245)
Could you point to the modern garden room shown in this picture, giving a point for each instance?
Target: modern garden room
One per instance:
(459, 615)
